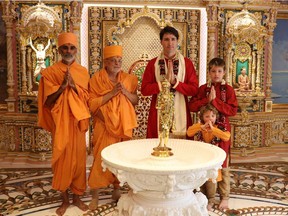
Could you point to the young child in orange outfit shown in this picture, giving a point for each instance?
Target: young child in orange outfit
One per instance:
(207, 130)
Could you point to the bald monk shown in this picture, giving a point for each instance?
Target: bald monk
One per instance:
(63, 110)
(112, 100)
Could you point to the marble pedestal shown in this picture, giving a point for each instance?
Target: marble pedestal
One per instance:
(163, 186)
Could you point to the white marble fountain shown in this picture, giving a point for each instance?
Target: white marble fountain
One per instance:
(163, 186)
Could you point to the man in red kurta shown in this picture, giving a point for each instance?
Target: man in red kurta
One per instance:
(63, 110)
(180, 73)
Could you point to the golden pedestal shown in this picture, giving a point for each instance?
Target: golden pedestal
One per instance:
(162, 151)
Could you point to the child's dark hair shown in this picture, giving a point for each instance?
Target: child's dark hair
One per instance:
(204, 109)
(169, 30)
(216, 62)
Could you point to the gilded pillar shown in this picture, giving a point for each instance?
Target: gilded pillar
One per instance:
(229, 64)
(29, 70)
(24, 75)
(253, 71)
(258, 73)
(212, 24)
(75, 20)
(9, 16)
(269, 48)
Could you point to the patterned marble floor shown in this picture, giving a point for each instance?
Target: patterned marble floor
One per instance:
(256, 189)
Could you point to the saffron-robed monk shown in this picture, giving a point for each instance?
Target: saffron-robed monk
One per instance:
(112, 100)
(63, 110)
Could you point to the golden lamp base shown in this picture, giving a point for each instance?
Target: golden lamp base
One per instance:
(162, 152)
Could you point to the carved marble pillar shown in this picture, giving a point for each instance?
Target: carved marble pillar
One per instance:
(9, 16)
(75, 20)
(212, 24)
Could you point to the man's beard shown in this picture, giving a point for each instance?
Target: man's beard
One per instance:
(68, 57)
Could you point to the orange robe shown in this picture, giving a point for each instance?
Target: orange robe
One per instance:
(208, 137)
(67, 120)
(119, 121)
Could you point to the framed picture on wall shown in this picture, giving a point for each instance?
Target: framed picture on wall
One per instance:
(280, 61)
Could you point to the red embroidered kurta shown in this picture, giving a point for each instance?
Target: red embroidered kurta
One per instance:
(228, 108)
(150, 87)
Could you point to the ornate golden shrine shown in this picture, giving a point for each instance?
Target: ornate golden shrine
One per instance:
(245, 39)
(39, 25)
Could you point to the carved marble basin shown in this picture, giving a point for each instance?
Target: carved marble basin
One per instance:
(163, 186)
